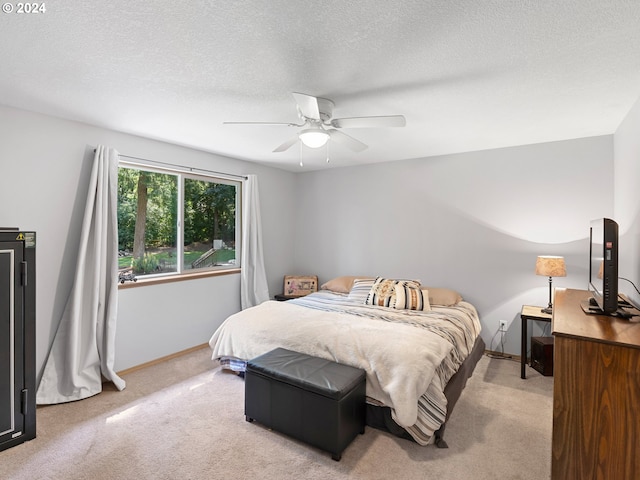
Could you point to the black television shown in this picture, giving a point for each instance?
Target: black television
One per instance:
(603, 264)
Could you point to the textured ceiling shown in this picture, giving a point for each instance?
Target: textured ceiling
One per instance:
(467, 75)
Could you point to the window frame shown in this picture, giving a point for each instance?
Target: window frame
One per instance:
(181, 273)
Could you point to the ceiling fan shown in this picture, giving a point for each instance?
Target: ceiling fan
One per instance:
(319, 126)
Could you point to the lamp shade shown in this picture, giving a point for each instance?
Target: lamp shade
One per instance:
(313, 137)
(551, 266)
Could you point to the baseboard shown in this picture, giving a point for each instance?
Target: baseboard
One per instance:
(161, 359)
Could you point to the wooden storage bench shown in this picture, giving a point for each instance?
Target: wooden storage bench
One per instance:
(317, 401)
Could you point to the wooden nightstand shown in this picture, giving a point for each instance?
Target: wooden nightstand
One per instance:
(529, 312)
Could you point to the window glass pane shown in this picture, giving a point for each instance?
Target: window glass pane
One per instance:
(169, 223)
(209, 224)
(147, 221)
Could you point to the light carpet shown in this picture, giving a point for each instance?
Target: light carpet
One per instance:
(184, 419)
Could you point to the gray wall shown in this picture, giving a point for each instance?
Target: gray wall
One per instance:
(45, 165)
(474, 222)
(627, 199)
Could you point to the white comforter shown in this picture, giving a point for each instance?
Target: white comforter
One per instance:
(405, 354)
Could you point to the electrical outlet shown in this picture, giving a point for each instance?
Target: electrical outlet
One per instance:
(503, 326)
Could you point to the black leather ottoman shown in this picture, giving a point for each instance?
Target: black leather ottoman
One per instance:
(311, 399)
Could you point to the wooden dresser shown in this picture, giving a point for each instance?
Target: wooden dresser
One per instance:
(596, 393)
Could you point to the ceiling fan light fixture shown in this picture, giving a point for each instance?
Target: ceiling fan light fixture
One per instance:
(313, 137)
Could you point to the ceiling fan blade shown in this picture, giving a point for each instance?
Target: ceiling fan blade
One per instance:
(369, 122)
(308, 105)
(346, 140)
(286, 145)
(263, 123)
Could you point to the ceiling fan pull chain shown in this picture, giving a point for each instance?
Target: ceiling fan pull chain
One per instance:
(327, 144)
(301, 164)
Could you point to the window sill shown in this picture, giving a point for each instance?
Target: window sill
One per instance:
(143, 282)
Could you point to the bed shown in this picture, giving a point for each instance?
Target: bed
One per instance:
(417, 345)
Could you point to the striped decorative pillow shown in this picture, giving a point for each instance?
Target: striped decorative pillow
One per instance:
(411, 298)
(383, 294)
(360, 289)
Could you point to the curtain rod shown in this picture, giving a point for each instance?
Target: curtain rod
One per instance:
(174, 165)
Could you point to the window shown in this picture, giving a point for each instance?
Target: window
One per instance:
(171, 222)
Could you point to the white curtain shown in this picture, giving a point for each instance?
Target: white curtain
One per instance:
(253, 282)
(83, 347)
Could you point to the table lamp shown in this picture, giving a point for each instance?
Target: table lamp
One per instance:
(550, 266)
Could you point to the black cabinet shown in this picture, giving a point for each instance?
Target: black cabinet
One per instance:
(17, 337)
(542, 355)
